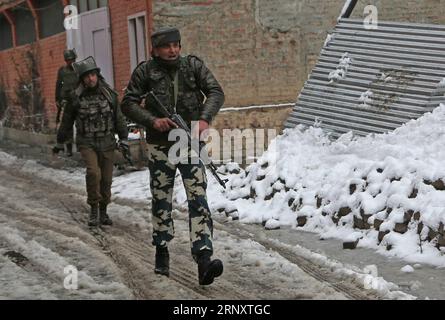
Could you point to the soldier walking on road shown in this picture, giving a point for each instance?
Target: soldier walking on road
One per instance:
(186, 85)
(94, 108)
(67, 81)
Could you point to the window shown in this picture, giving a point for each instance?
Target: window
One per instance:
(88, 5)
(5, 33)
(50, 17)
(24, 24)
(137, 36)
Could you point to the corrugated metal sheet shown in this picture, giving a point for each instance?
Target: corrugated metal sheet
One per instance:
(373, 80)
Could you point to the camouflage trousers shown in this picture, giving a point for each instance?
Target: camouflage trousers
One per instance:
(162, 177)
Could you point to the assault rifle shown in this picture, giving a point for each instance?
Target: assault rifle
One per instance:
(176, 118)
(124, 148)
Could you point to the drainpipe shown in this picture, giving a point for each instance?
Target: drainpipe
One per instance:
(36, 18)
(347, 9)
(149, 9)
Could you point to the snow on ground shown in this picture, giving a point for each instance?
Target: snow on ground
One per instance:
(341, 186)
(386, 178)
(45, 236)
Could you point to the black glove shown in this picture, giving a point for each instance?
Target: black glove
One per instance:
(58, 148)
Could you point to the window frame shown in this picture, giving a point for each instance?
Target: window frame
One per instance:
(133, 36)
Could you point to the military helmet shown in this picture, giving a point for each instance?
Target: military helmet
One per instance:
(84, 66)
(165, 35)
(70, 54)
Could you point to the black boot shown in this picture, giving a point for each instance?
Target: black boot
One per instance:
(93, 220)
(208, 269)
(162, 264)
(69, 149)
(103, 216)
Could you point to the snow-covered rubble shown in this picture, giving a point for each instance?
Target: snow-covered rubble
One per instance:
(388, 187)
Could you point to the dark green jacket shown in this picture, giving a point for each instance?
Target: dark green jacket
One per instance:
(67, 80)
(200, 96)
(71, 116)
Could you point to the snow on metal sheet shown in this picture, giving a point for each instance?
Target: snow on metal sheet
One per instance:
(373, 81)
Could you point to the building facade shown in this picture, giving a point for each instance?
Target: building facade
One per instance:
(260, 50)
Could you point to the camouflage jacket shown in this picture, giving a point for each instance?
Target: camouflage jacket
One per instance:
(200, 96)
(67, 80)
(97, 116)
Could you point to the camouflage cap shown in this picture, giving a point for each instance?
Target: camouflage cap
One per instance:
(165, 35)
(84, 66)
(70, 54)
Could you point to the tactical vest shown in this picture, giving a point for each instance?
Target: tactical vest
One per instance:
(69, 81)
(189, 99)
(95, 117)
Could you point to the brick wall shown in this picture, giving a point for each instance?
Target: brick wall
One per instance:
(420, 11)
(120, 10)
(260, 50)
(49, 54)
(50, 60)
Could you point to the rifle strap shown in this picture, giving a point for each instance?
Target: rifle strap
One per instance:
(176, 88)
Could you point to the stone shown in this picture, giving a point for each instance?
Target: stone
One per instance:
(377, 224)
(413, 194)
(290, 202)
(432, 234)
(416, 216)
(352, 188)
(360, 223)
(344, 211)
(441, 227)
(382, 234)
(438, 184)
(271, 195)
(301, 221)
(408, 215)
(252, 193)
(419, 228)
(441, 241)
(401, 227)
(319, 202)
(272, 224)
(350, 245)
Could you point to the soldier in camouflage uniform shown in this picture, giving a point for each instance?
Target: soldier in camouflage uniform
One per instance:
(183, 83)
(67, 81)
(94, 108)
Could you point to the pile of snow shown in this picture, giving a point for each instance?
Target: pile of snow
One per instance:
(366, 100)
(342, 69)
(389, 187)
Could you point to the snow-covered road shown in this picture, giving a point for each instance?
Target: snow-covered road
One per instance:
(42, 231)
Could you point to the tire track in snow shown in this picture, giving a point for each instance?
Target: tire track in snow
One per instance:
(348, 288)
(115, 243)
